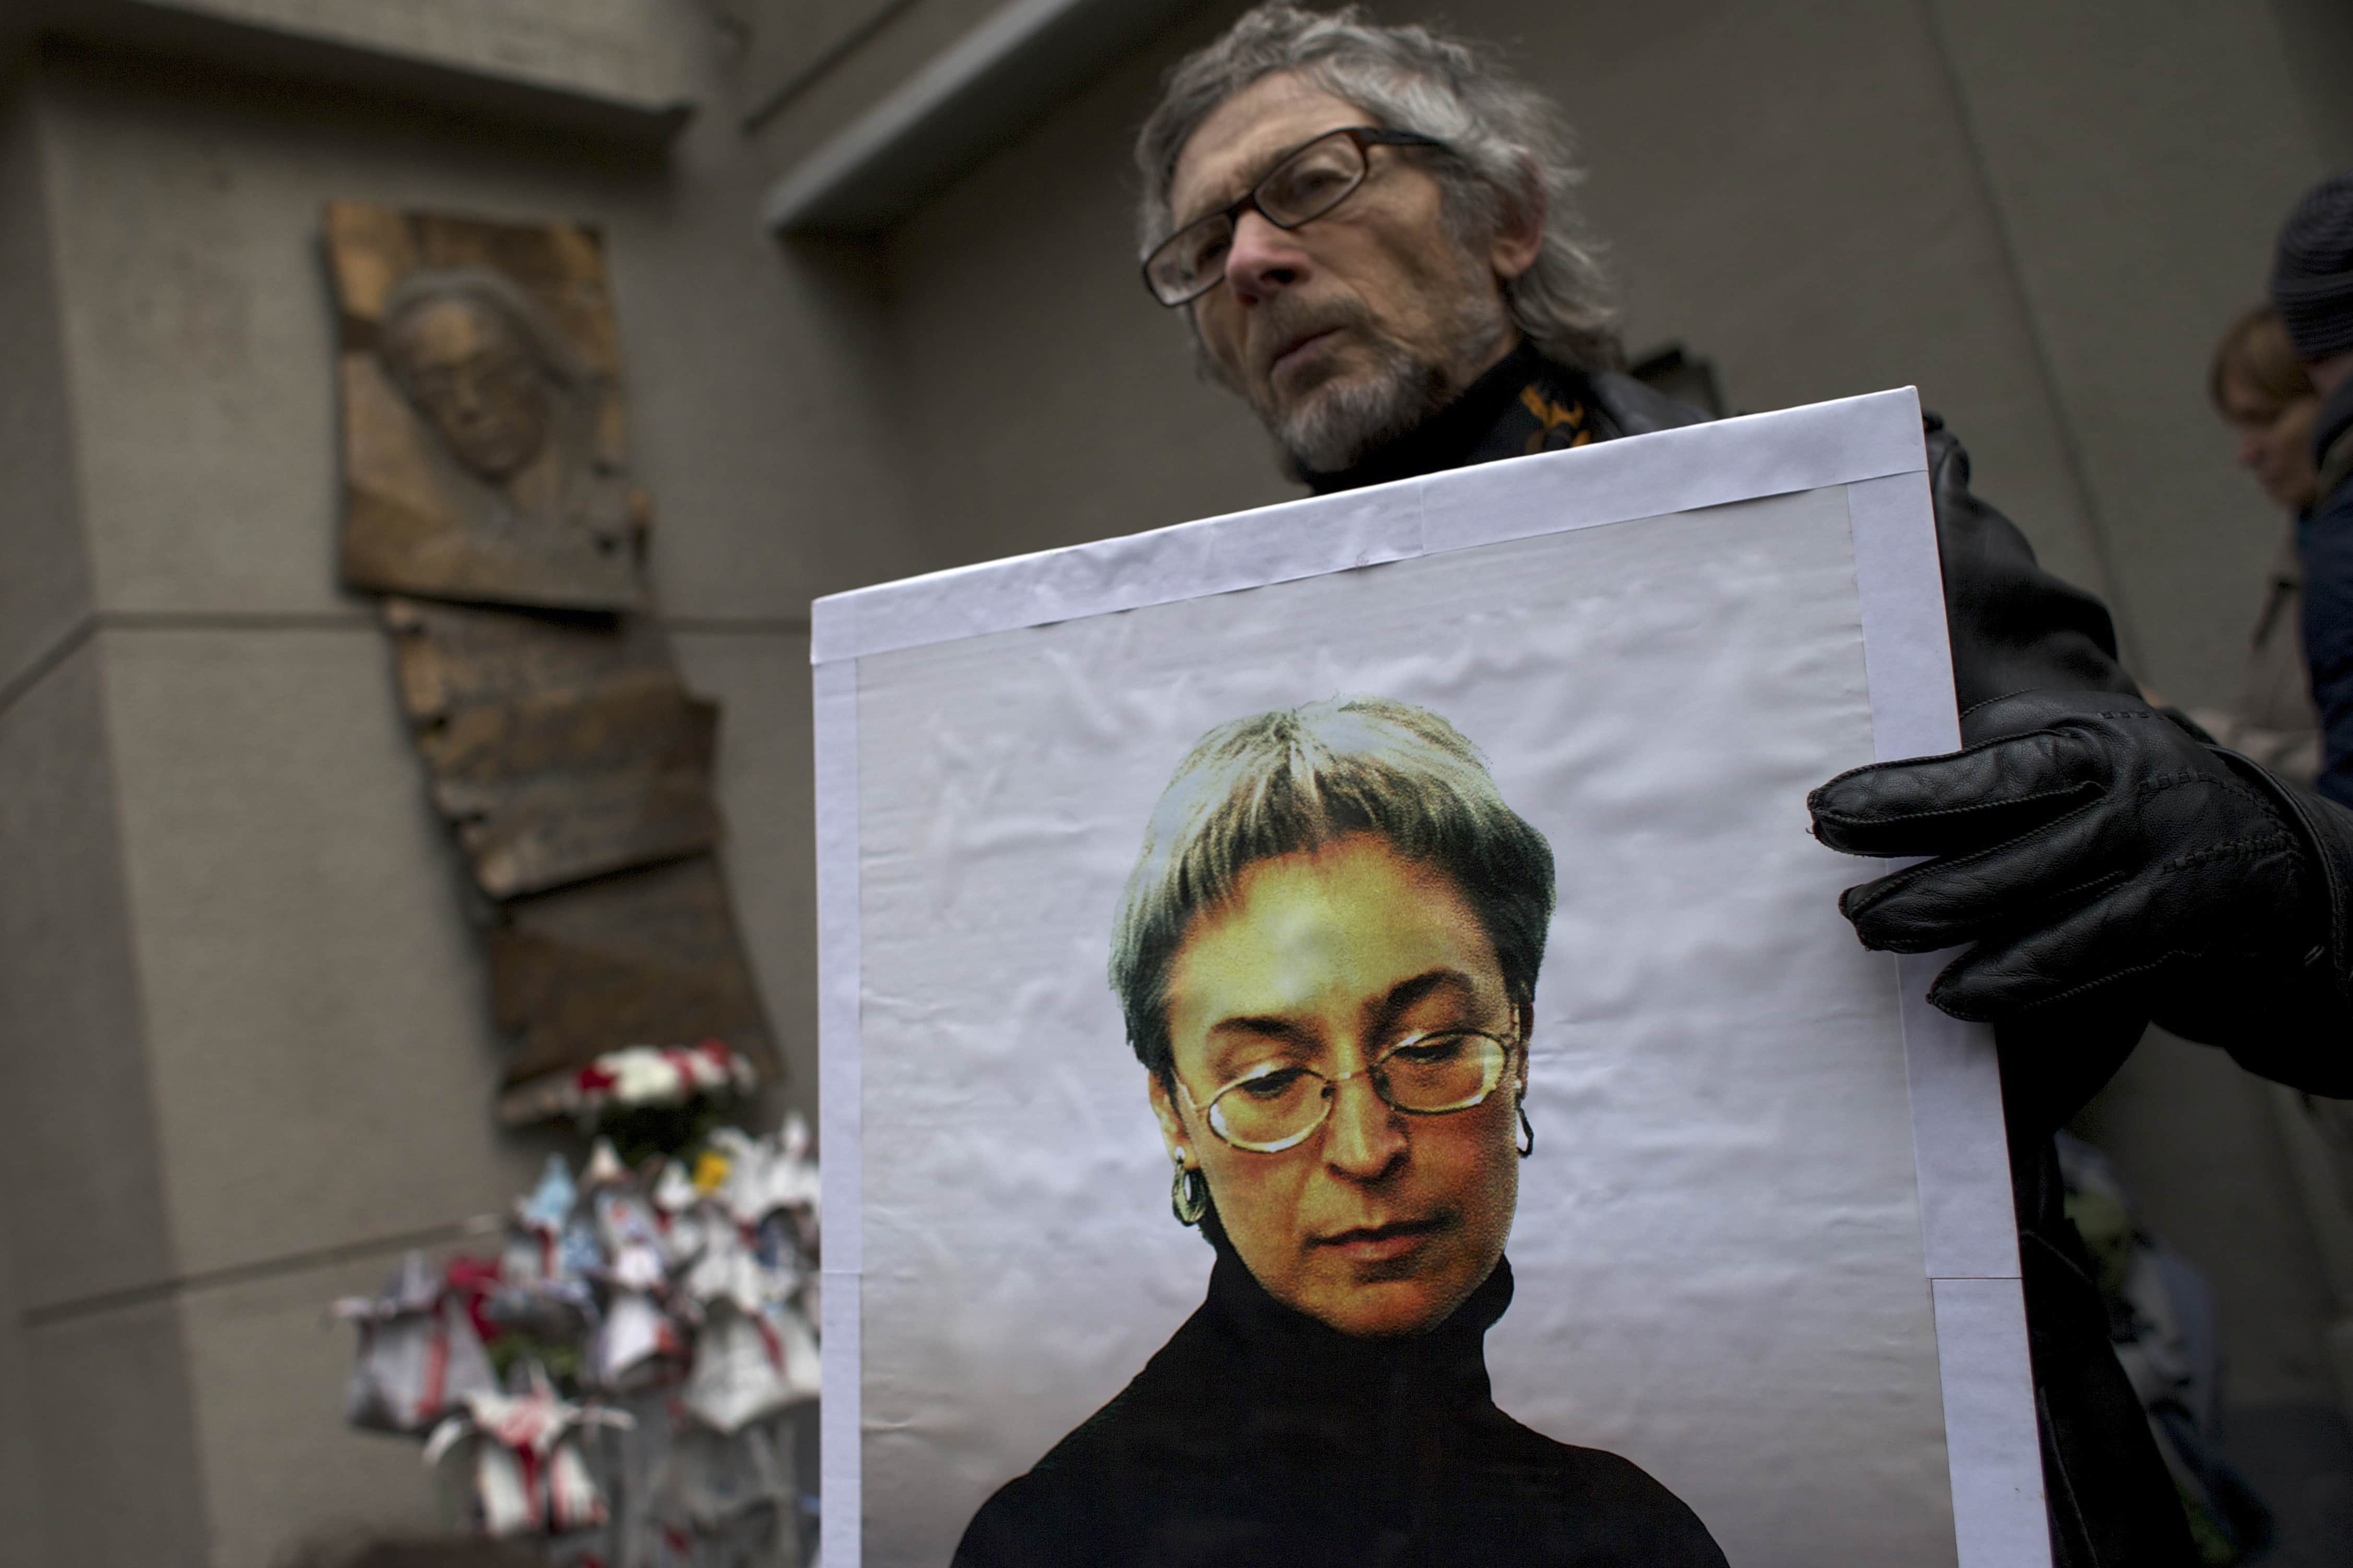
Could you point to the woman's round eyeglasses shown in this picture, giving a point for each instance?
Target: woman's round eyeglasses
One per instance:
(1279, 1104)
(1309, 182)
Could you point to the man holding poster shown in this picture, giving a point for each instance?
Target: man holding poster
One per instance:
(1367, 231)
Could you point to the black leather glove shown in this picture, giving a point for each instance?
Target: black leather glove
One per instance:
(2092, 850)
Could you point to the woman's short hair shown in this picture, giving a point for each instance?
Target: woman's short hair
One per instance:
(2256, 352)
(1296, 779)
(1508, 148)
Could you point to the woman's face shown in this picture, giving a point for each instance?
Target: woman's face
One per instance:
(476, 382)
(1379, 1223)
(2274, 441)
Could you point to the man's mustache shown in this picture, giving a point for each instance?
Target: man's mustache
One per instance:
(1288, 321)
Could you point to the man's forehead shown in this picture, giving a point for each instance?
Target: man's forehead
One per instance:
(1247, 132)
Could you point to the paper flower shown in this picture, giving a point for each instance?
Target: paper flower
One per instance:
(754, 1352)
(730, 1493)
(529, 1472)
(419, 1351)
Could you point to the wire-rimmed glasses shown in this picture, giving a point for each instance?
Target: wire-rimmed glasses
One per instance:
(1279, 1104)
(1309, 182)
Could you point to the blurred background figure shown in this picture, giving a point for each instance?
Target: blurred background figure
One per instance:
(2312, 288)
(2260, 388)
(2163, 1322)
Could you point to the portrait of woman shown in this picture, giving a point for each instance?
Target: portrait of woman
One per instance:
(485, 463)
(1326, 957)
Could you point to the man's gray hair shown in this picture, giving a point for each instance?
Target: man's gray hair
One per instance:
(1508, 148)
(1296, 779)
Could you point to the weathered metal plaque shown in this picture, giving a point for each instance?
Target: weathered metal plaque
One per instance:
(487, 494)
(484, 453)
(559, 787)
(452, 655)
(646, 957)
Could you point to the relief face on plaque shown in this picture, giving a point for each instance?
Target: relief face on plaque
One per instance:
(483, 458)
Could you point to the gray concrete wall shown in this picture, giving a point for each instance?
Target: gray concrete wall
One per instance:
(870, 47)
(2318, 34)
(1058, 401)
(631, 57)
(236, 977)
(2139, 188)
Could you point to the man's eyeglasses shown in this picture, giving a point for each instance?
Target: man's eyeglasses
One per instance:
(1279, 1104)
(1309, 182)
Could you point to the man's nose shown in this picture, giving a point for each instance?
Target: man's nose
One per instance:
(2250, 448)
(1365, 1136)
(1262, 260)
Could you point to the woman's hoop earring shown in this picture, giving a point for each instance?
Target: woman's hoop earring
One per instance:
(1528, 1146)
(1188, 1195)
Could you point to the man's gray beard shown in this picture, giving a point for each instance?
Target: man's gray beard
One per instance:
(1337, 424)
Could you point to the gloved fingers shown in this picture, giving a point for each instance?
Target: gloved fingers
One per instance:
(1959, 803)
(2107, 942)
(2034, 877)
(2154, 919)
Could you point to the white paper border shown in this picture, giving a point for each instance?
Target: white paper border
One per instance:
(1960, 1151)
(842, 1245)
(1804, 449)
(1991, 1442)
(1872, 446)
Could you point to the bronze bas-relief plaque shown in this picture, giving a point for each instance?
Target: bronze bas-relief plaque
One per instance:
(647, 957)
(487, 495)
(452, 655)
(484, 458)
(559, 787)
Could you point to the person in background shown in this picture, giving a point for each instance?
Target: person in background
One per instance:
(2312, 288)
(2259, 387)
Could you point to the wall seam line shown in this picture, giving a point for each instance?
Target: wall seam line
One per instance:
(840, 50)
(45, 663)
(233, 1274)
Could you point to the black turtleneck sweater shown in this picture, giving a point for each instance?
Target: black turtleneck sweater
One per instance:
(1259, 1438)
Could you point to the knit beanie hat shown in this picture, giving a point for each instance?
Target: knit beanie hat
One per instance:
(2312, 269)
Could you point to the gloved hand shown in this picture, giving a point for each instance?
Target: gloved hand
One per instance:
(2088, 845)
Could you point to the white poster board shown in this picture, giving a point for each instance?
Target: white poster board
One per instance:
(1764, 1247)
